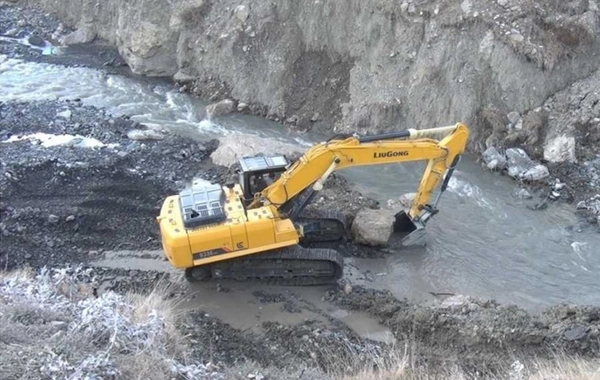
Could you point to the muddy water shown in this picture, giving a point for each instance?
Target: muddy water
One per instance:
(484, 242)
(245, 306)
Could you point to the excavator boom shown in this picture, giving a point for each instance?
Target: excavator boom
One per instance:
(253, 227)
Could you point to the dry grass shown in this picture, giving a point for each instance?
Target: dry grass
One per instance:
(52, 326)
(562, 368)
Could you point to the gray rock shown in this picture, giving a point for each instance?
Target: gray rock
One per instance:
(575, 332)
(518, 157)
(233, 147)
(373, 227)
(513, 117)
(146, 134)
(466, 6)
(407, 199)
(242, 106)
(523, 194)
(494, 159)
(457, 300)
(53, 219)
(517, 37)
(503, 3)
(220, 108)
(242, 13)
(12, 32)
(65, 114)
(518, 162)
(536, 173)
(560, 149)
(404, 7)
(82, 35)
(36, 41)
(183, 76)
(70, 218)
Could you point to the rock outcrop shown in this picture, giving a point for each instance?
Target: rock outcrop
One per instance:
(518, 164)
(363, 66)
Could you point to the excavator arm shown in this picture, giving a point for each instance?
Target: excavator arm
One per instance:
(440, 147)
(213, 232)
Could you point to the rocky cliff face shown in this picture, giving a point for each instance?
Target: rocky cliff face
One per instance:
(358, 65)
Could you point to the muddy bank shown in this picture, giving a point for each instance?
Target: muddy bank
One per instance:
(71, 203)
(480, 335)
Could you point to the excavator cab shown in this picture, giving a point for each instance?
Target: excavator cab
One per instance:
(258, 172)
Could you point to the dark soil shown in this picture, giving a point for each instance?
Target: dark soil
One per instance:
(309, 344)
(64, 204)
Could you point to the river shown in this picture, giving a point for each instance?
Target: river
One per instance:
(484, 242)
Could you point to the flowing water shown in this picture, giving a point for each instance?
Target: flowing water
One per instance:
(484, 242)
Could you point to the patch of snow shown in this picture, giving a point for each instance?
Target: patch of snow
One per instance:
(49, 140)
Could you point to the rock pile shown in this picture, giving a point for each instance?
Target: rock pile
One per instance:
(516, 162)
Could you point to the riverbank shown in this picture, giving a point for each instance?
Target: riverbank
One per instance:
(80, 186)
(73, 201)
(562, 141)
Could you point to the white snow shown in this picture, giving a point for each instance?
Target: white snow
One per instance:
(48, 140)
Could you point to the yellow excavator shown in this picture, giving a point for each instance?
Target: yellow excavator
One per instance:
(260, 227)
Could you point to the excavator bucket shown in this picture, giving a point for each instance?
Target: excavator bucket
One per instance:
(410, 232)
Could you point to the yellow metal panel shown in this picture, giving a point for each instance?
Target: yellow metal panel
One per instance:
(238, 236)
(245, 252)
(285, 230)
(260, 213)
(234, 208)
(260, 232)
(211, 237)
(174, 237)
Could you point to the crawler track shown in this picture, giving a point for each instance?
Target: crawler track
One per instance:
(323, 228)
(292, 266)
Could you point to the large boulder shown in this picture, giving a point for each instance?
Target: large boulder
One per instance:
(235, 146)
(522, 167)
(373, 227)
(220, 108)
(82, 35)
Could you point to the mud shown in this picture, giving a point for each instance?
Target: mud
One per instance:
(481, 336)
(308, 344)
